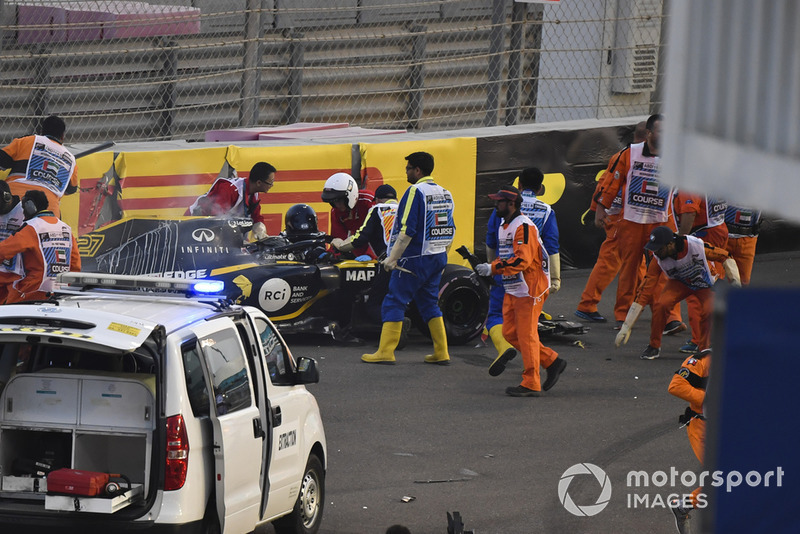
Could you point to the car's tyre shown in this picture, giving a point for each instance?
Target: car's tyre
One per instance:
(464, 301)
(306, 516)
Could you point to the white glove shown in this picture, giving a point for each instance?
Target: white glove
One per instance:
(483, 269)
(337, 242)
(625, 330)
(396, 252)
(259, 231)
(732, 272)
(623, 335)
(555, 285)
(555, 273)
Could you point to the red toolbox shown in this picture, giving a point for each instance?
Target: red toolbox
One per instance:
(75, 482)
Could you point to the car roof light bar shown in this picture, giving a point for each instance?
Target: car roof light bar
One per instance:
(77, 280)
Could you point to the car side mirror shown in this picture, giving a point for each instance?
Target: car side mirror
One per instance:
(307, 372)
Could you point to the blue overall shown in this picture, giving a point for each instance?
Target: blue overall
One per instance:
(430, 226)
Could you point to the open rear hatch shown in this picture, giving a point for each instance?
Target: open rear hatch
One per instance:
(78, 391)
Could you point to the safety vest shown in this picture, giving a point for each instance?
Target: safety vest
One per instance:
(237, 210)
(387, 212)
(55, 246)
(742, 222)
(715, 211)
(9, 224)
(646, 200)
(50, 165)
(692, 269)
(536, 210)
(515, 284)
(440, 228)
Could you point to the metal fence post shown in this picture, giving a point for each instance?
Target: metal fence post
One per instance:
(251, 63)
(294, 80)
(416, 76)
(39, 96)
(495, 66)
(168, 91)
(518, 13)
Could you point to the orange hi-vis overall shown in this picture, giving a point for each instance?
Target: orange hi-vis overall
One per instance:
(646, 204)
(709, 226)
(11, 270)
(43, 164)
(608, 259)
(689, 383)
(688, 274)
(523, 265)
(48, 248)
(742, 224)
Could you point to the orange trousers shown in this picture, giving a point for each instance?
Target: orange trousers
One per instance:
(604, 271)
(674, 292)
(521, 329)
(743, 252)
(631, 238)
(697, 439)
(717, 237)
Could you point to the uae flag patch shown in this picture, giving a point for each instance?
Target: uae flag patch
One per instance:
(61, 256)
(441, 218)
(650, 187)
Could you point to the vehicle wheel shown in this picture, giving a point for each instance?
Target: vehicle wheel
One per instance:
(464, 301)
(306, 516)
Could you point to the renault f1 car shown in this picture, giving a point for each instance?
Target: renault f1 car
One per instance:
(297, 284)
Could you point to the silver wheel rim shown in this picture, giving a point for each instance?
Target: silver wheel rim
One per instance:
(309, 499)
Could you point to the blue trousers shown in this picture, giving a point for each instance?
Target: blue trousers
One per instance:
(496, 295)
(422, 287)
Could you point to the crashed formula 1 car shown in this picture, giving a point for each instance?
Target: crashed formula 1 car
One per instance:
(299, 286)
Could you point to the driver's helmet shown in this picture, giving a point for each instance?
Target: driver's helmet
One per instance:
(340, 186)
(301, 220)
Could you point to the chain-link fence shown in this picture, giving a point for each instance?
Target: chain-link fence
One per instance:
(126, 70)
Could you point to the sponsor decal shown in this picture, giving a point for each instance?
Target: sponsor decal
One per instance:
(203, 235)
(190, 274)
(359, 275)
(274, 294)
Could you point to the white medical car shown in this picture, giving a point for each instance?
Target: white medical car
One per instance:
(199, 404)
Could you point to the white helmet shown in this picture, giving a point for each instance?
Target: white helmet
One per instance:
(341, 186)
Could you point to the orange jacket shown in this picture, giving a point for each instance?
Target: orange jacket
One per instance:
(689, 382)
(527, 259)
(607, 177)
(26, 241)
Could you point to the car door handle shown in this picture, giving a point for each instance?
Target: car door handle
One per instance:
(258, 429)
(277, 418)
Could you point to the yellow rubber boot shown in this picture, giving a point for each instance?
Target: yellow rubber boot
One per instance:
(390, 336)
(505, 351)
(500, 343)
(440, 355)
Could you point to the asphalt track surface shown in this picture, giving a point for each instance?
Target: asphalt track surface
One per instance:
(449, 439)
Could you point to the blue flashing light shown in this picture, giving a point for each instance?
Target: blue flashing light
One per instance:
(209, 287)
